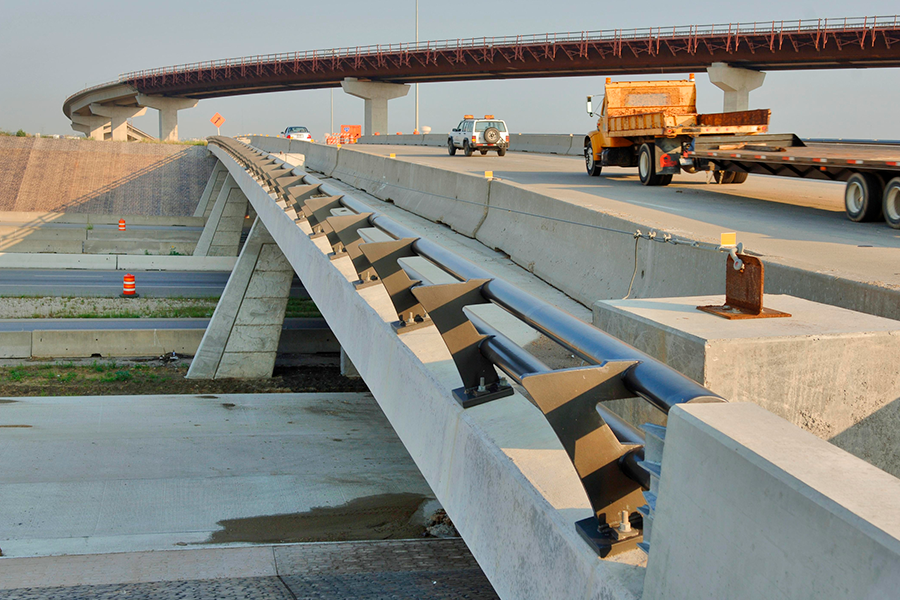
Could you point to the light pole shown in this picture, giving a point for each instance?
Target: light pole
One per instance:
(417, 49)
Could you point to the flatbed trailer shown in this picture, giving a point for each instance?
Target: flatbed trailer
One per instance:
(872, 171)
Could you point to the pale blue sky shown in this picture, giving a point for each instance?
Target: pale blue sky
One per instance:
(50, 50)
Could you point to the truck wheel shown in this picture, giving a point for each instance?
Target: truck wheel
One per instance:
(451, 148)
(590, 164)
(501, 151)
(724, 176)
(467, 149)
(861, 197)
(891, 205)
(647, 166)
(740, 178)
(665, 179)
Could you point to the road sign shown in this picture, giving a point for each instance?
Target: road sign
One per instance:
(217, 120)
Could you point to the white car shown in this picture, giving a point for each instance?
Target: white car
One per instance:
(479, 134)
(297, 133)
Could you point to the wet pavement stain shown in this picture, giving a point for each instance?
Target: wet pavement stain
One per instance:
(7, 401)
(379, 517)
(20, 426)
(228, 405)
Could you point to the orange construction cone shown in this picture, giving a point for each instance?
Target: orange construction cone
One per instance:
(129, 289)
(121, 224)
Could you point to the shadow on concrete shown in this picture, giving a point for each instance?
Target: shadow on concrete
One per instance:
(872, 438)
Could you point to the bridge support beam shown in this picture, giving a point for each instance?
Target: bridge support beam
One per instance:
(736, 83)
(221, 235)
(92, 127)
(211, 191)
(118, 116)
(168, 113)
(376, 95)
(241, 340)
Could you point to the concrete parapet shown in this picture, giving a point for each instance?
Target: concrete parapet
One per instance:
(751, 507)
(546, 143)
(455, 199)
(144, 235)
(806, 368)
(50, 246)
(138, 247)
(36, 219)
(175, 263)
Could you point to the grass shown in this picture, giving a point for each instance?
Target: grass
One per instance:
(301, 307)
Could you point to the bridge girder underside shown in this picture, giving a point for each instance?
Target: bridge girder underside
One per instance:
(770, 51)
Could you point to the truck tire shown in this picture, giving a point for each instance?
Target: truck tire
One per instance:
(724, 177)
(647, 166)
(891, 203)
(861, 197)
(501, 151)
(467, 149)
(590, 164)
(450, 147)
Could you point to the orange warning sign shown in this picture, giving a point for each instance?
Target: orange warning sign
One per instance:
(217, 120)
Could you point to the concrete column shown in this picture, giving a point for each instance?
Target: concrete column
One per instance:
(736, 83)
(376, 95)
(348, 369)
(118, 116)
(242, 337)
(221, 235)
(212, 189)
(92, 127)
(168, 113)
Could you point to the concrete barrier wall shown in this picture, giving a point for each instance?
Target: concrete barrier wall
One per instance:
(751, 507)
(108, 343)
(36, 219)
(546, 143)
(112, 262)
(319, 157)
(576, 250)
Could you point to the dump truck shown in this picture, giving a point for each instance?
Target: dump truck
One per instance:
(649, 125)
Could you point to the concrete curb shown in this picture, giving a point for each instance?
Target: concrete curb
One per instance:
(113, 262)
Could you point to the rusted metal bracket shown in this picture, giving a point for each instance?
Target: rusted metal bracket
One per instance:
(384, 257)
(569, 398)
(444, 304)
(744, 291)
(347, 230)
(316, 210)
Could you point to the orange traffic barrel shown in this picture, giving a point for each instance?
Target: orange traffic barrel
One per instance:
(121, 224)
(129, 289)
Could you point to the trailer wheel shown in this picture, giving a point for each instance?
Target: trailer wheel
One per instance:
(647, 166)
(861, 197)
(590, 164)
(891, 204)
(724, 177)
(739, 178)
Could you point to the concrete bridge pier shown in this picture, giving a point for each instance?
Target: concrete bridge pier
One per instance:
(92, 127)
(168, 113)
(118, 116)
(221, 235)
(242, 337)
(737, 84)
(376, 94)
(211, 191)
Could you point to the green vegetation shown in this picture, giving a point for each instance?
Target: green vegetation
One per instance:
(21, 133)
(301, 307)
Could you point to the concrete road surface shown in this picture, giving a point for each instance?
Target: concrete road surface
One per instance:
(120, 474)
(799, 221)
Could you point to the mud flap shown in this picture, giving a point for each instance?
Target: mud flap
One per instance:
(668, 156)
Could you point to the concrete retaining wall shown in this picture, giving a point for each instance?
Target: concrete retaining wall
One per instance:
(752, 507)
(70, 176)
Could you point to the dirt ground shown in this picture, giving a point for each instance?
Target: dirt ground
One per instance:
(111, 378)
